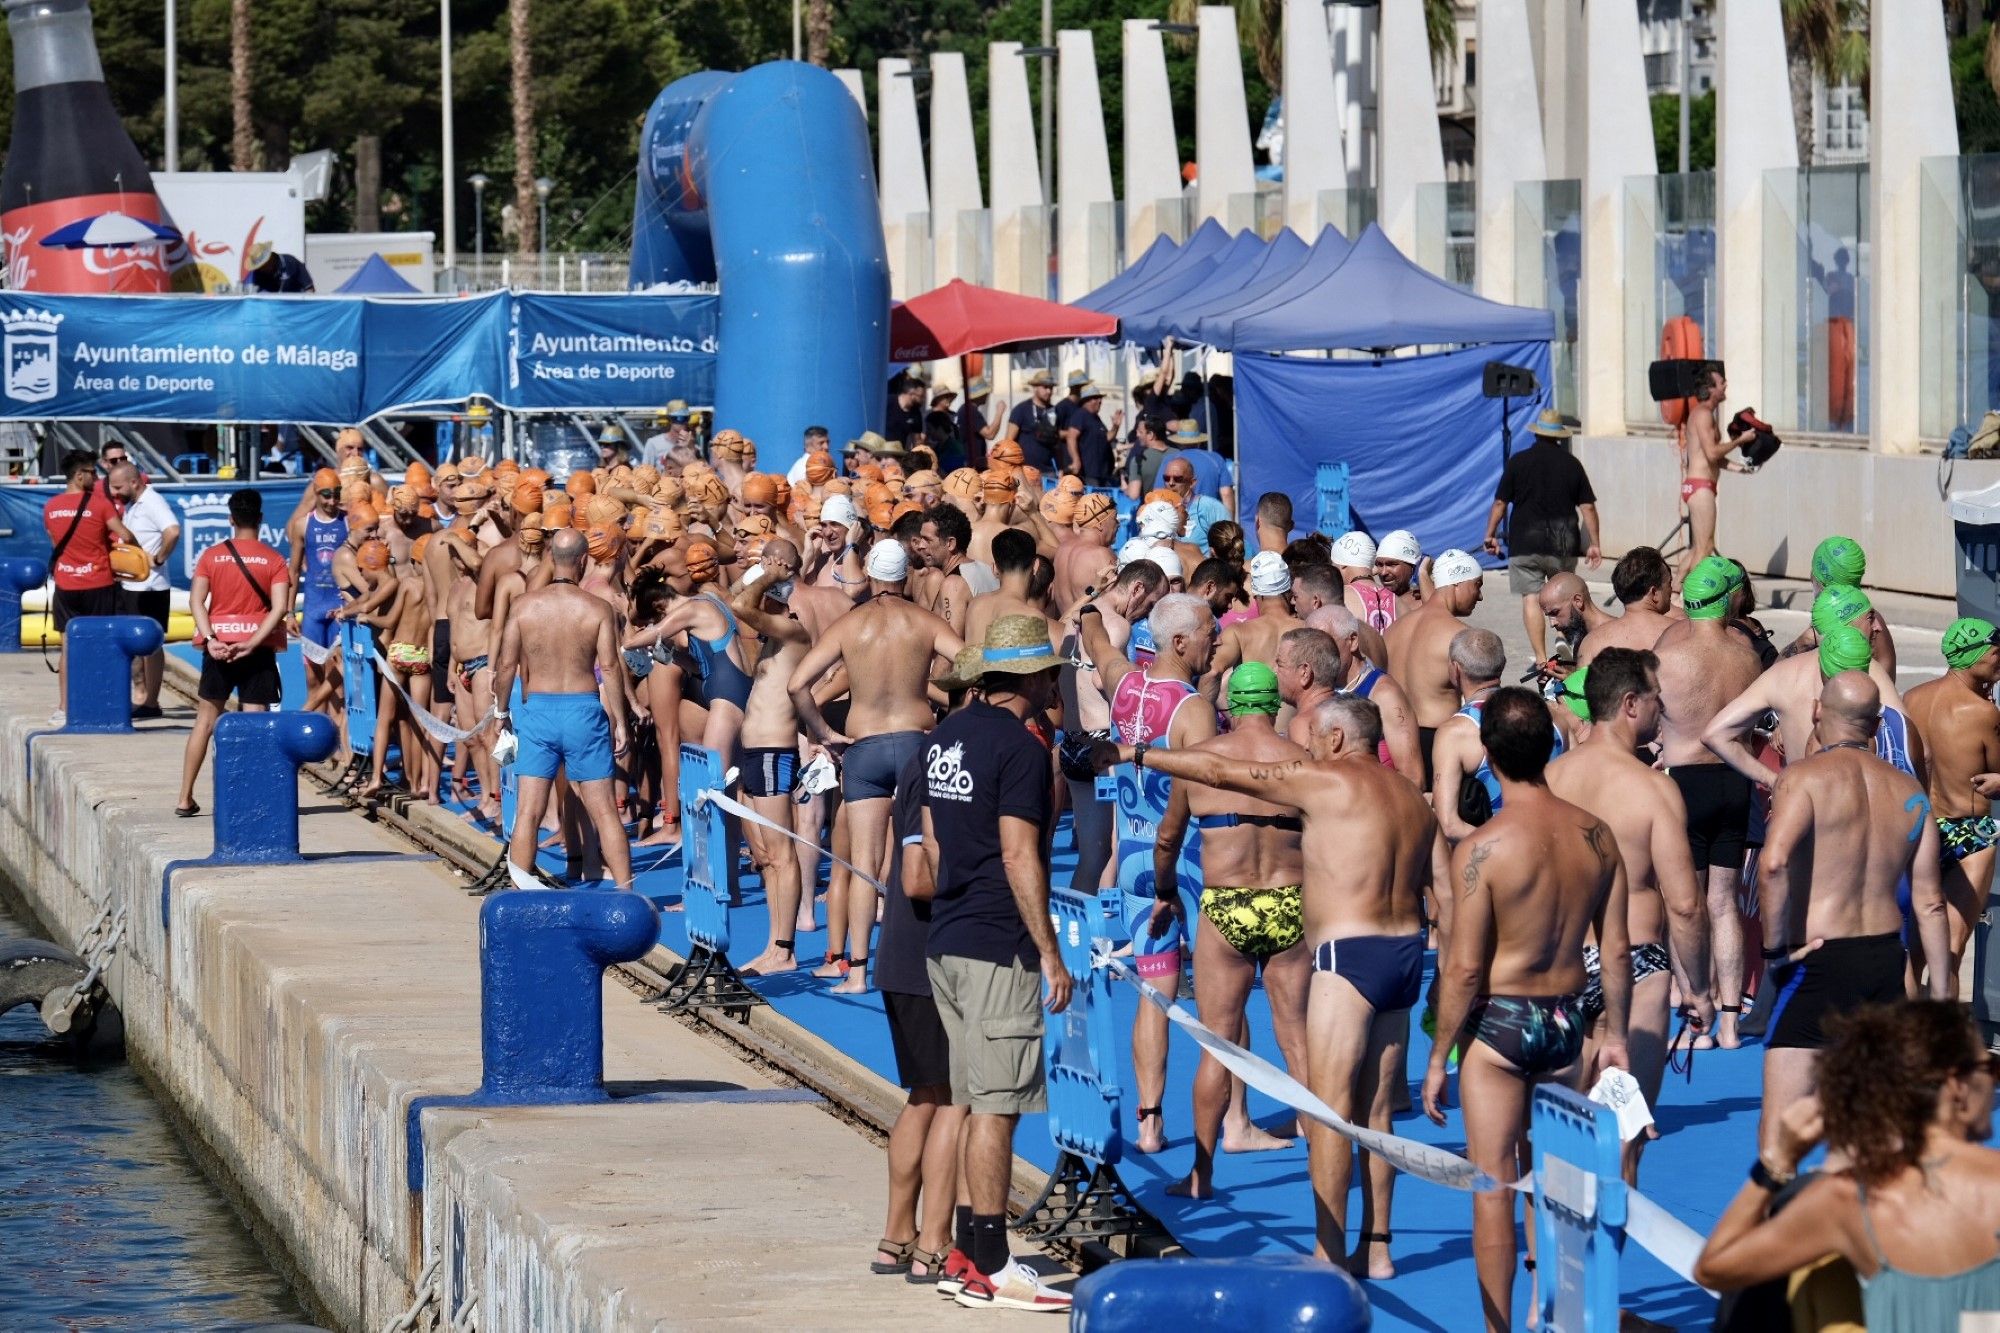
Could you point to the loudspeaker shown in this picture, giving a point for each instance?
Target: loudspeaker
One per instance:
(1505, 381)
(1668, 380)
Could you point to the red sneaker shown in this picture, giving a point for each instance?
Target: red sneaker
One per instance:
(951, 1278)
(1015, 1287)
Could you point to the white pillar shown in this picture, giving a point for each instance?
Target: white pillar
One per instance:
(1507, 151)
(1412, 151)
(1315, 157)
(1152, 156)
(1014, 175)
(1754, 134)
(899, 177)
(1354, 89)
(1910, 118)
(1086, 209)
(851, 80)
(955, 195)
(1557, 29)
(1221, 118)
(1618, 144)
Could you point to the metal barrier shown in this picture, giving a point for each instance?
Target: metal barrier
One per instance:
(1336, 511)
(707, 980)
(541, 999)
(101, 651)
(1139, 800)
(1579, 1227)
(1296, 1293)
(17, 575)
(354, 645)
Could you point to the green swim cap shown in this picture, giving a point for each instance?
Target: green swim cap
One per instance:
(1705, 591)
(1839, 561)
(1967, 640)
(1572, 693)
(1838, 604)
(1253, 688)
(1842, 648)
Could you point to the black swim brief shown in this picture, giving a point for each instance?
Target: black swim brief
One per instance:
(441, 655)
(1648, 960)
(1839, 976)
(1537, 1034)
(1426, 739)
(1388, 970)
(1718, 813)
(868, 770)
(769, 770)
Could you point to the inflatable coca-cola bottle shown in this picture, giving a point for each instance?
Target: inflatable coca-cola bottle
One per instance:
(70, 159)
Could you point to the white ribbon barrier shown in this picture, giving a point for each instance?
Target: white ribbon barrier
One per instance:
(313, 652)
(1666, 1237)
(435, 728)
(744, 812)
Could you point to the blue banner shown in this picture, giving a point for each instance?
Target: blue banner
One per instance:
(337, 360)
(202, 507)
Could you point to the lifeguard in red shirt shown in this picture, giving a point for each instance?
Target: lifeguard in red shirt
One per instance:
(82, 521)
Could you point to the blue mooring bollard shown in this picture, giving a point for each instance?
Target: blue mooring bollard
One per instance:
(257, 759)
(542, 957)
(1284, 1294)
(17, 575)
(101, 650)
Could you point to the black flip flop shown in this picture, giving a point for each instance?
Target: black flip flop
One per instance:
(187, 812)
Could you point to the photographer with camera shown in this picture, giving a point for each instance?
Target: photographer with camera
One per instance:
(1032, 425)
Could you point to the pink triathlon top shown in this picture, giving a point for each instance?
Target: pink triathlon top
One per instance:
(1143, 708)
(1237, 616)
(1379, 603)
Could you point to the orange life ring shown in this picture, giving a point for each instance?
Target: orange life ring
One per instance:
(1680, 340)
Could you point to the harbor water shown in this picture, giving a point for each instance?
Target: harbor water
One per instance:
(105, 1220)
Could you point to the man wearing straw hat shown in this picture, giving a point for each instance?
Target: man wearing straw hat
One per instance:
(1549, 492)
(1032, 424)
(992, 947)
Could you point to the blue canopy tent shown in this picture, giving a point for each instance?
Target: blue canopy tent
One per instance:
(1233, 263)
(377, 278)
(1329, 252)
(1422, 444)
(1223, 286)
(1164, 251)
(1196, 254)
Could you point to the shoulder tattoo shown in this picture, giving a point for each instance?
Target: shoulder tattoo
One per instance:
(1474, 863)
(1599, 838)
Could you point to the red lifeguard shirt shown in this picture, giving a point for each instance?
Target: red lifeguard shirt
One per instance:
(85, 562)
(234, 609)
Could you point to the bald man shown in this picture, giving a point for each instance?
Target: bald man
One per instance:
(1845, 828)
(1566, 604)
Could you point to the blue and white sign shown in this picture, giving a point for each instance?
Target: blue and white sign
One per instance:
(632, 351)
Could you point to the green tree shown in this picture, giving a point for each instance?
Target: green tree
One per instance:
(1828, 38)
(1667, 132)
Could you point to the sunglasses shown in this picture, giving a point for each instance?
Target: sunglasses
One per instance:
(331, 494)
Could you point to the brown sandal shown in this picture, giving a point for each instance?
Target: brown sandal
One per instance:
(900, 1248)
(933, 1264)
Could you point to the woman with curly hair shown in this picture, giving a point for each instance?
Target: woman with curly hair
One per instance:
(1913, 1205)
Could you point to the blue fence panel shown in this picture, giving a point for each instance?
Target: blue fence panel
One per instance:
(1579, 1228)
(1081, 1050)
(707, 850)
(357, 685)
(1336, 514)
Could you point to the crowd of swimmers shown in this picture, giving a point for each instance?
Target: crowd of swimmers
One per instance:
(920, 672)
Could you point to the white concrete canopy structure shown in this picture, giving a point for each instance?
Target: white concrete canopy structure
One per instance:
(1152, 154)
(1412, 147)
(1315, 156)
(1086, 208)
(1618, 144)
(851, 79)
(1353, 34)
(1754, 135)
(955, 194)
(1507, 151)
(1014, 175)
(1911, 118)
(899, 179)
(1221, 120)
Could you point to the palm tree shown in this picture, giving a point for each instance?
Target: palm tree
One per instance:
(819, 32)
(243, 137)
(1261, 25)
(1828, 38)
(520, 42)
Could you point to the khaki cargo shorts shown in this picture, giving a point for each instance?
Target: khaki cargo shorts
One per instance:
(993, 1018)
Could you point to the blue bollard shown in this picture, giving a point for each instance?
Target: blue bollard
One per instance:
(541, 960)
(257, 759)
(1288, 1294)
(17, 575)
(101, 650)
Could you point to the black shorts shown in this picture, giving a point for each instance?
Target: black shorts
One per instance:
(769, 770)
(156, 604)
(70, 602)
(1718, 811)
(1426, 742)
(869, 769)
(441, 662)
(923, 1052)
(1838, 976)
(252, 678)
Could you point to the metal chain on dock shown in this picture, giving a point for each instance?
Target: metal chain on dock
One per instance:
(97, 953)
(466, 1322)
(430, 1285)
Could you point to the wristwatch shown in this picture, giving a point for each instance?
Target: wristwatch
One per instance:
(1089, 609)
(1139, 753)
(1765, 1179)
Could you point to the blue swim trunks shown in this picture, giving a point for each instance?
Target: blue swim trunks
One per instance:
(316, 621)
(563, 731)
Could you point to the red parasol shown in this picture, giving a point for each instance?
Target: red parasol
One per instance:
(958, 318)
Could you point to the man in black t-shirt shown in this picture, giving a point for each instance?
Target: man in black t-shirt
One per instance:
(905, 416)
(992, 946)
(1032, 425)
(1550, 493)
(1089, 439)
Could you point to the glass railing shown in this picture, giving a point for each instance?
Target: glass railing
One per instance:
(1670, 273)
(1349, 210)
(965, 246)
(1446, 222)
(1958, 293)
(1548, 260)
(1024, 251)
(1816, 278)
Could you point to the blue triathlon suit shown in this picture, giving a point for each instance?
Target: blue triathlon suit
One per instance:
(322, 538)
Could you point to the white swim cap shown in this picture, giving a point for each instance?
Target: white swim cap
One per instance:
(837, 509)
(887, 560)
(1356, 550)
(1161, 554)
(1159, 520)
(1452, 567)
(1400, 545)
(1270, 576)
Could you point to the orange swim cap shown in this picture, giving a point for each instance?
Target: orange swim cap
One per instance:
(882, 514)
(1072, 484)
(404, 498)
(555, 510)
(868, 472)
(759, 489)
(580, 483)
(904, 507)
(361, 514)
(418, 478)
(530, 532)
(506, 466)
(998, 485)
(604, 541)
(701, 562)
(373, 555)
(1091, 506)
(662, 525)
(755, 525)
(1007, 453)
(891, 469)
(1059, 507)
(602, 509)
(326, 479)
(820, 469)
(781, 493)
(527, 497)
(419, 546)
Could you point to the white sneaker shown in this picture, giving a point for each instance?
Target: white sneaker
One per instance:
(1015, 1287)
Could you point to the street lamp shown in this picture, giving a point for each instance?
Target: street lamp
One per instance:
(542, 187)
(478, 181)
(1047, 55)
